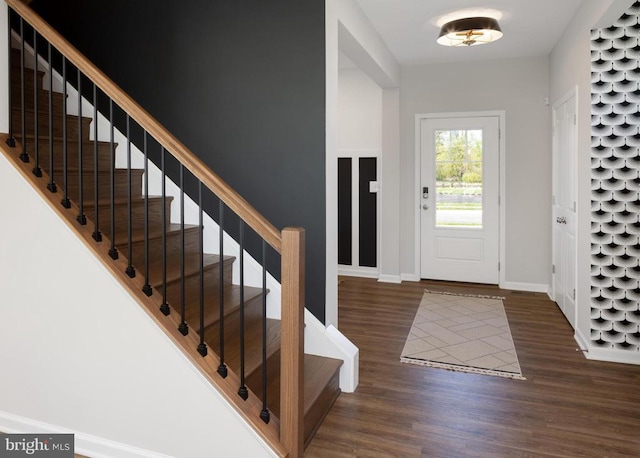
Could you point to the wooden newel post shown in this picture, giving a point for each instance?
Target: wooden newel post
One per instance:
(292, 341)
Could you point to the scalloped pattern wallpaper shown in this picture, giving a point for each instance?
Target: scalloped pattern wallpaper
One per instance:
(615, 184)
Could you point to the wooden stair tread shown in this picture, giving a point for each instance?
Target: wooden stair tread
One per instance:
(43, 94)
(45, 113)
(57, 125)
(154, 233)
(138, 235)
(121, 215)
(191, 267)
(44, 137)
(16, 58)
(135, 200)
(212, 304)
(318, 372)
(253, 349)
(321, 389)
(101, 173)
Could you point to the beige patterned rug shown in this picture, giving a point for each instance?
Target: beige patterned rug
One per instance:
(462, 333)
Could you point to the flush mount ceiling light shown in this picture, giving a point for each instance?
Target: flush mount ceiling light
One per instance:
(470, 31)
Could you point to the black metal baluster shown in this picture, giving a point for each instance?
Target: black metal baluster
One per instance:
(147, 287)
(97, 235)
(52, 184)
(37, 171)
(202, 347)
(222, 368)
(164, 308)
(243, 392)
(130, 271)
(24, 156)
(113, 251)
(66, 203)
(264, 414)
(11, 141)
(183, 327)
(82, 219)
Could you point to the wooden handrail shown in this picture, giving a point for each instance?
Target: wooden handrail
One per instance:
(199, 169)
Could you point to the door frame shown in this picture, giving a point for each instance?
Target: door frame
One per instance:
(500, 114)
(572, 93)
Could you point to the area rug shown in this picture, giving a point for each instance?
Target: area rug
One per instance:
(462, 333)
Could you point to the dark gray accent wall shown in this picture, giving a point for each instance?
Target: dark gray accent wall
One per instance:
(239, 82)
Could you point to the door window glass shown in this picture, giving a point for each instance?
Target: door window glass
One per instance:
(459, 178)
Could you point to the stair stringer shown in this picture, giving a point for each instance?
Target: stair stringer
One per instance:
(80, 355)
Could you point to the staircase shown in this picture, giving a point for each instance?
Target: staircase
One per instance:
(137, 229)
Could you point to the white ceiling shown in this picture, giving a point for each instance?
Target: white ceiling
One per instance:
(409, 27)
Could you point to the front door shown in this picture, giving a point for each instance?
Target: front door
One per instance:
(459, 199)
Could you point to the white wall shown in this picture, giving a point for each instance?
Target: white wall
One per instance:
(80, 355)
(390, 193)
(570, 66)
(359, 112)
(359, 135)
(570, 59)
(348, 29)
(517, 86)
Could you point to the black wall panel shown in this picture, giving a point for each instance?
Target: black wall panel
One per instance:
(345, 205)
(368, 213)
(241, 83)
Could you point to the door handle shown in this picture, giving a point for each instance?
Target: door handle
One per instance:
(425, 207)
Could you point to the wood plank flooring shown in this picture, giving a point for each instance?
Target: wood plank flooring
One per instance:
(568, 406)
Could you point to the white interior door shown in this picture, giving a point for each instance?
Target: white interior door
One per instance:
(564, 207)
(459, 199)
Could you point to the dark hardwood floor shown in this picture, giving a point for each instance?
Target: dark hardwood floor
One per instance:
(568, 406)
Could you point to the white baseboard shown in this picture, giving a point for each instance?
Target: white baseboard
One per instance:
(364, 272)
(614, 356)
(410, 277)
(605, 354)
(85, 444)
(531, 287)
(370, 273)
(582, 341)
(550, 293)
